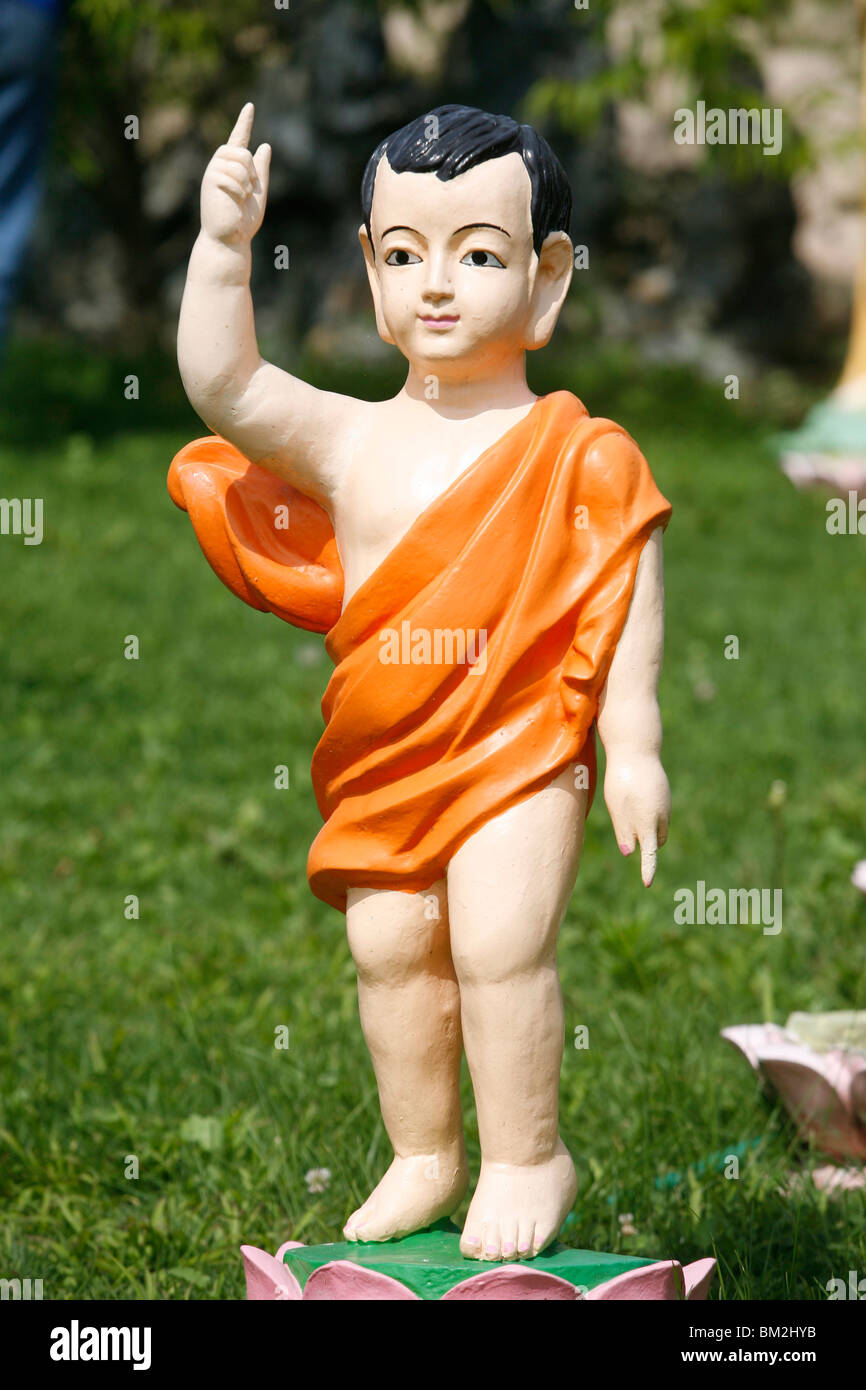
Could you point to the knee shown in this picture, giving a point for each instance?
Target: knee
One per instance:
(496, 948)
(394, 936)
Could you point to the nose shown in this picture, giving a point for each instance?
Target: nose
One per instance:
(438, 286)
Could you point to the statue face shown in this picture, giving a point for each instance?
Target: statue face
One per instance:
(455, 273)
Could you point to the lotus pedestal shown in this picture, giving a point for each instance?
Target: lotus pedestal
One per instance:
(429, 1265)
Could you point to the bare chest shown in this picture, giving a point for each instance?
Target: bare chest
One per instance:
(389, 485)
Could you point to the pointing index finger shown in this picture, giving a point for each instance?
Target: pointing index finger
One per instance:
(648, 857)
(243, 127)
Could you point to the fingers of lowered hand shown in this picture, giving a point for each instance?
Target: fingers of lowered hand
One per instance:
(624, 835)
(648, 857)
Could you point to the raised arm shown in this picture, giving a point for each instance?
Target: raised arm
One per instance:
(274, 419)
(636, 789)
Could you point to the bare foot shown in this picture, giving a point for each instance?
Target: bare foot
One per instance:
(415, 1192)
(518, 1209)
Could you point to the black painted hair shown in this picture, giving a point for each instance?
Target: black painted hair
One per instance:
(451, 139)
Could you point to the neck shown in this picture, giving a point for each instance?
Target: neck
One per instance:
(505, 388)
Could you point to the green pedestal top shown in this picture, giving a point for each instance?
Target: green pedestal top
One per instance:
(430, 1263)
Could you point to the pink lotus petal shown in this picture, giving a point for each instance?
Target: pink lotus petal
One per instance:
(341, 1280)
(698, 1277)
(799, 468)
(267, 1278)
(506, 1282)
(832, 1179)
(288, 1245)
(814, 1103)
(846, 474)
(821, 1090)
(846, 1072)
(858, 1096)
(753, 1038)
(651, 1282)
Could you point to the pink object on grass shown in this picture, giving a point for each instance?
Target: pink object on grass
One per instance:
(826, 470)
(817, 1065)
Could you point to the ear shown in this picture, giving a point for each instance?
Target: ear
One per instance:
(552, 279)
(375, 288)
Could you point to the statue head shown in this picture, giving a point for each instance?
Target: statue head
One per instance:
(465, 236)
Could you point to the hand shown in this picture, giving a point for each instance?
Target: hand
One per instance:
(234, 189)
(638, 797)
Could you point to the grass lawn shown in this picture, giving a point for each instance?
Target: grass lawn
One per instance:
(153, 1038)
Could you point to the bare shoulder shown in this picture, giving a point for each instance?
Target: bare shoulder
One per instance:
(363, 431)
(300, 432)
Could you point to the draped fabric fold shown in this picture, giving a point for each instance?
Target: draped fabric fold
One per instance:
(271, 545)
(468, 666)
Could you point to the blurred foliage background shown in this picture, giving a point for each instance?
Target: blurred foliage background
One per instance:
(714, 255)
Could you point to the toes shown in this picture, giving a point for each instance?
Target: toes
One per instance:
(509, 1240)
(525, 1240)
(491, 1242)
(541, 1239)
(470, 1244)
(352, 1228)
(365, 1232)
(371, 1223)
(481, 1242)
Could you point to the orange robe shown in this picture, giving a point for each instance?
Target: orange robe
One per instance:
(468, 666)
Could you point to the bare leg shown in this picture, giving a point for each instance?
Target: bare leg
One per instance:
(410, 1015)
(508, 888)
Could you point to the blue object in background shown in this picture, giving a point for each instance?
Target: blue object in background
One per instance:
(28, 32)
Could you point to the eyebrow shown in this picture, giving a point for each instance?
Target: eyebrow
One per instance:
(470, 226)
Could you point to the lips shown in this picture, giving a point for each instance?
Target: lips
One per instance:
(439, 321)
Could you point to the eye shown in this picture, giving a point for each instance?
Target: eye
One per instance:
(401, 257)
(483, 258)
